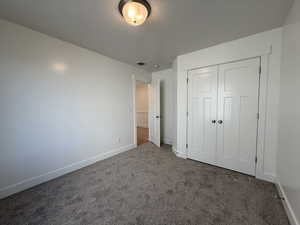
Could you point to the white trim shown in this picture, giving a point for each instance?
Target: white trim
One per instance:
(28, 183)
(287, 205)
(167, 141)
(260, 173)
(149, 112)
(174, 150)
(179, 154)
(142, 127)
(265, 176)
(134, 109)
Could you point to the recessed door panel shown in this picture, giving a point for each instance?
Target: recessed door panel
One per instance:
(202, 112)
(237, 111)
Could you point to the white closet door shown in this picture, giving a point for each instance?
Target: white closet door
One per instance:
(202, 114)
(237, 115)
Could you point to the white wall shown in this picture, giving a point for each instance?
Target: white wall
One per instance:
(266, 44)
(288, 164)
(142, 105)
(55, 121)
(174, 139)
(167, 101)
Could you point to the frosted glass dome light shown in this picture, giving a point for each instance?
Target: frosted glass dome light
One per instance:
(135, 12)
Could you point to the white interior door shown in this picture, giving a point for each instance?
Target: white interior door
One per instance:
(237, 115)
(202, 114)
(155, 95)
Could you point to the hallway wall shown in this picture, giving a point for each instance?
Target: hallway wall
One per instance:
(288, 160)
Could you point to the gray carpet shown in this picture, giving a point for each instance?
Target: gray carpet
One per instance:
(151, 186)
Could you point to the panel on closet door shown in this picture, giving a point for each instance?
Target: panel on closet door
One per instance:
(202, 109)
(237, 115)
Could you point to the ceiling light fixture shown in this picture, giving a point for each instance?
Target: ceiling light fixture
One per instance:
(135, 12)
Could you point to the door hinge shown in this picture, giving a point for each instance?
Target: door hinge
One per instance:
(187, 80)
(186, 145)
(187, 114)
(255, 159)
(257, 116)
(259, 70)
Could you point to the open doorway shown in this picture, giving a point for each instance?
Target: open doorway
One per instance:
(142, 112)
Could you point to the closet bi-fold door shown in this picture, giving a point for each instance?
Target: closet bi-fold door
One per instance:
(202, 113)
(237, 115)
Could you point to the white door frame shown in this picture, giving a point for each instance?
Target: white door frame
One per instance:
(155, 115)
(262, 109)
(149, 112)
(263, 84)
(134, 82)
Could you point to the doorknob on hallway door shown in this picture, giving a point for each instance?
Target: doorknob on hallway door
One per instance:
(157, 117)
(220, 121)
(213, 121)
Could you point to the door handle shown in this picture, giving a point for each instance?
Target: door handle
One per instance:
(220, 121)
(213, 121)
(157, 117)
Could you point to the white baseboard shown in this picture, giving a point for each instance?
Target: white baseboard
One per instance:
(28, 183)
(287, 206)
(167, 141)
(179, 154)
(266, 177)
(174, 149)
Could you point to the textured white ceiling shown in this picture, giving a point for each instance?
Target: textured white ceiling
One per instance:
(175, 26)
